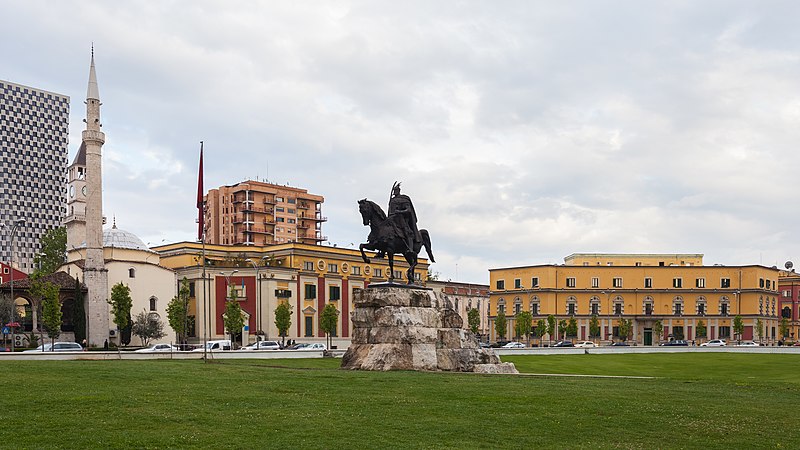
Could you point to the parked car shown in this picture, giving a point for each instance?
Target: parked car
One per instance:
(714, 343)
(748, 344)
(315, 346)
(585, 344)
(484, 344)
(619, 344)
(158, 348)
(262, 345)
(57, 347)
(675, 343)
(298, 346)
(564, 344)
(215, 346)
(513, 344)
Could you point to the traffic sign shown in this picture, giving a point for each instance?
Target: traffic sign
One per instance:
(6, 330)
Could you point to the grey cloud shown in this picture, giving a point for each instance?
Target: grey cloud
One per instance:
(524, 131)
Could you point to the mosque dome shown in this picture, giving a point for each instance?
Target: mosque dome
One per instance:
(117, 238)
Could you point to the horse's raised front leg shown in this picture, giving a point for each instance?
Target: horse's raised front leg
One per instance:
(363, 255)
(391, 266)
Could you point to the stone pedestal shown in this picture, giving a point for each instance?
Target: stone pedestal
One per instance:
(398, 328)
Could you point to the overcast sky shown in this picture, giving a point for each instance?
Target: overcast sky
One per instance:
(523, 131)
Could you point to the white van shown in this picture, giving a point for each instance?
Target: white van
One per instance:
(215, 346)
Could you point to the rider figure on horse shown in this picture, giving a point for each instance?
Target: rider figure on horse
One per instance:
(401, 212)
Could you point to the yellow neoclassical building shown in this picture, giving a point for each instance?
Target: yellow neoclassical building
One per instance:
(675, 290)
(307, 276)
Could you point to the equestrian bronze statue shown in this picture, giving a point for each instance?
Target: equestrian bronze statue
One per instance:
(396, 233)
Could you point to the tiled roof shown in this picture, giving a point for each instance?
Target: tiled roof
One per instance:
(61, 279)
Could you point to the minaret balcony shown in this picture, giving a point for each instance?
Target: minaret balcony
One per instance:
(75, 218)
(94, 136)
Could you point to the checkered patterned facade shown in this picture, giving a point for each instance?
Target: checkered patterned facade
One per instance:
(34, 137)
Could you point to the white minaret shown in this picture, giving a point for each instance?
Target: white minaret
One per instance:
(95, 275)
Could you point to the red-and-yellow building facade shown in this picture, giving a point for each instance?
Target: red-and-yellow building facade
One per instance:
(789, 303)
(676, 290)
(306, 276)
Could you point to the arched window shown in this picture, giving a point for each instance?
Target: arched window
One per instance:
(786, 312)
(572, 305)
(153, 304)
(517, 305)
(701, 306)
(131, 273)
(619, 305)
(501, 306)
(24, 313)
(677, 306)
(594, 306)
(761, 305)
(724, 306)
(535, 305)
(647, 306)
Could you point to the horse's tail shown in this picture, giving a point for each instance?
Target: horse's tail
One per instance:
(426, 241)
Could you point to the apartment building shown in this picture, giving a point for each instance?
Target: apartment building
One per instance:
(34, 131)
(258, 213)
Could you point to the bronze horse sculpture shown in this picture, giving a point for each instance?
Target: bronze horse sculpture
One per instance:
(389, 236)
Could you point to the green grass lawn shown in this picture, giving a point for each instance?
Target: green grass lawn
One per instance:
(698, 401)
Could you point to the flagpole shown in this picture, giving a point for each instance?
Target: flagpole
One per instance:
(202, 231)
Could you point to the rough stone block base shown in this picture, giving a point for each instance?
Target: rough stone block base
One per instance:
(414, 329)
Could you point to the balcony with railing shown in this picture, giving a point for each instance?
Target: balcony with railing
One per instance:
(258, 230)
(250, 208)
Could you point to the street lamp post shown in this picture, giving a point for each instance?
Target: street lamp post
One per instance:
(228, 287)
(258, 299)
(15, 225)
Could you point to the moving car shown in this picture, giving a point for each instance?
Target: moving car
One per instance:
(748, 344)
(585, 344)
(158, 348)
(57, 347)
(619, 344)
(564, 344)
(714, 343)
(262, 345)
(514, 345)
(298, 346)
(675, 343)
